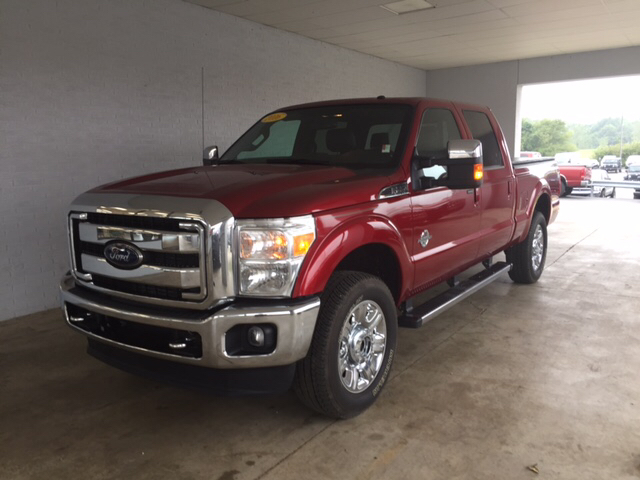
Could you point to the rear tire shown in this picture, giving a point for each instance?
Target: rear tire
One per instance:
(353, 346)
(568, 190)
(528, 257)
(603, 193)
(563, 188)
(613, 193)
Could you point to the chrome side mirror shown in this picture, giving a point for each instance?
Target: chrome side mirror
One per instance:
(468, 149)
(210, 155)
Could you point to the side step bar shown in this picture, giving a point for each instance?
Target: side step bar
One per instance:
(421, 314)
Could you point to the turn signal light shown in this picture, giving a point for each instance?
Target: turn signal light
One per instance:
(478, 172)
(302, 243)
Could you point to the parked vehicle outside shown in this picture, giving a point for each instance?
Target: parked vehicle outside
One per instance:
(574, 158)
(292, 259)
(597, 175)
(633, 173)
(611, 163)
(574, 176)
(632, 160)
(530, 155)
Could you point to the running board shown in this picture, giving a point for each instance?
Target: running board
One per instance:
(421, 314)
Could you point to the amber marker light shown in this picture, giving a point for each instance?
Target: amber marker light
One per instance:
(478, 172)
(302, 243)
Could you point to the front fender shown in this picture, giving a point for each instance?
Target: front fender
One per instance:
(326, 255)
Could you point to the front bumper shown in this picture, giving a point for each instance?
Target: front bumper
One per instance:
(294, 321)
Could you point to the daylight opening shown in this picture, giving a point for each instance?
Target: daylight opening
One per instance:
(582, 120)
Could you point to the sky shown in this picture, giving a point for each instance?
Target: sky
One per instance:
(583, 101)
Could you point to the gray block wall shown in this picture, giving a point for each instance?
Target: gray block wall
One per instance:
(93, 91)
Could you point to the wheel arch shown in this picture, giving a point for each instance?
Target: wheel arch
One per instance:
(543, 205)
(373, 245)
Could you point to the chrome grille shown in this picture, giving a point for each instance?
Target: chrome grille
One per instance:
(186, 245)
(173, 266)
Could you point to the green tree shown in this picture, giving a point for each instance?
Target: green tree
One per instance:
(605, 132)
(546, 136)
(627, 149)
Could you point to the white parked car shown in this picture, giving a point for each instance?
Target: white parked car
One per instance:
(633, 160)
(597, 175)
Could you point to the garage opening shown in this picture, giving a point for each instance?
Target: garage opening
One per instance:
(593, 123)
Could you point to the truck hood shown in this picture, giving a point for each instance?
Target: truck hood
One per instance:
(260, 191)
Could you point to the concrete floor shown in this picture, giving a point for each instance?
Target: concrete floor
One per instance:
(515, 376)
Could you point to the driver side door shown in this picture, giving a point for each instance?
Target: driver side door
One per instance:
(445, 221)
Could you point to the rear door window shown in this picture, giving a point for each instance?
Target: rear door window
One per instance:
(482, 130)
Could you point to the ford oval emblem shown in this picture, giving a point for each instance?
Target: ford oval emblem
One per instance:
(123, 255)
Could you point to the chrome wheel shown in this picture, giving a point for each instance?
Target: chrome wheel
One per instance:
(361, 346)
(537, 248)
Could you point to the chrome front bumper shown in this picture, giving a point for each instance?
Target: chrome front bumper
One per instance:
(294, 320)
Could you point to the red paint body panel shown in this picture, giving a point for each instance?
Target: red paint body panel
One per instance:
(575, 174)
(343, 231)
(261, 191)
(466, 226)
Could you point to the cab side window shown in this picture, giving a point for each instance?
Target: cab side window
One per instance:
(438, 126)
(481, 130)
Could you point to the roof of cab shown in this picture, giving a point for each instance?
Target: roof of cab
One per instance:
(413, 101)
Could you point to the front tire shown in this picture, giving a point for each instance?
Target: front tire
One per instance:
(353, 346)
(528, 257)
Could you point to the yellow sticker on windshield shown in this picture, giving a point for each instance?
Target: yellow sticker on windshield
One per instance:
(274, 117)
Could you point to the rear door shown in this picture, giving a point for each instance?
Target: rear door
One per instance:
(445, 221)
(497, 194)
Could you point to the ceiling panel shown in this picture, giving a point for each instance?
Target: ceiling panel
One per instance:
(455, 32)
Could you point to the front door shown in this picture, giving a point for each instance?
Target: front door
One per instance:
(445, 221)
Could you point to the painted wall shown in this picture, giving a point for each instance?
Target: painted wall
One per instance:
(92, 91)
(496, 85)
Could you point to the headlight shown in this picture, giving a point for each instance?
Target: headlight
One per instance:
(270, 253)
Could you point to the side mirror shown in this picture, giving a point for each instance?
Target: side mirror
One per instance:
(210, 155)
(461, 169)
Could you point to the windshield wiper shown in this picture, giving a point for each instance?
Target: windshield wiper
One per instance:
(230, 161)
(296, 161)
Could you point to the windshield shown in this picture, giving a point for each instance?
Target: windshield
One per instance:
(634, 168)
(352, 136)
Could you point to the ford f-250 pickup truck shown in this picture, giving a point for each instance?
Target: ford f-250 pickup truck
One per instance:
(294, 257)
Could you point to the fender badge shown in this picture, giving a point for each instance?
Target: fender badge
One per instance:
(424, 238)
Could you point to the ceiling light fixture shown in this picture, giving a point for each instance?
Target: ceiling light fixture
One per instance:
(406, 6)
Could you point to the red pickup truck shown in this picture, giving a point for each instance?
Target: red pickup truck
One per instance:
(573, 176)
(294, 257)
